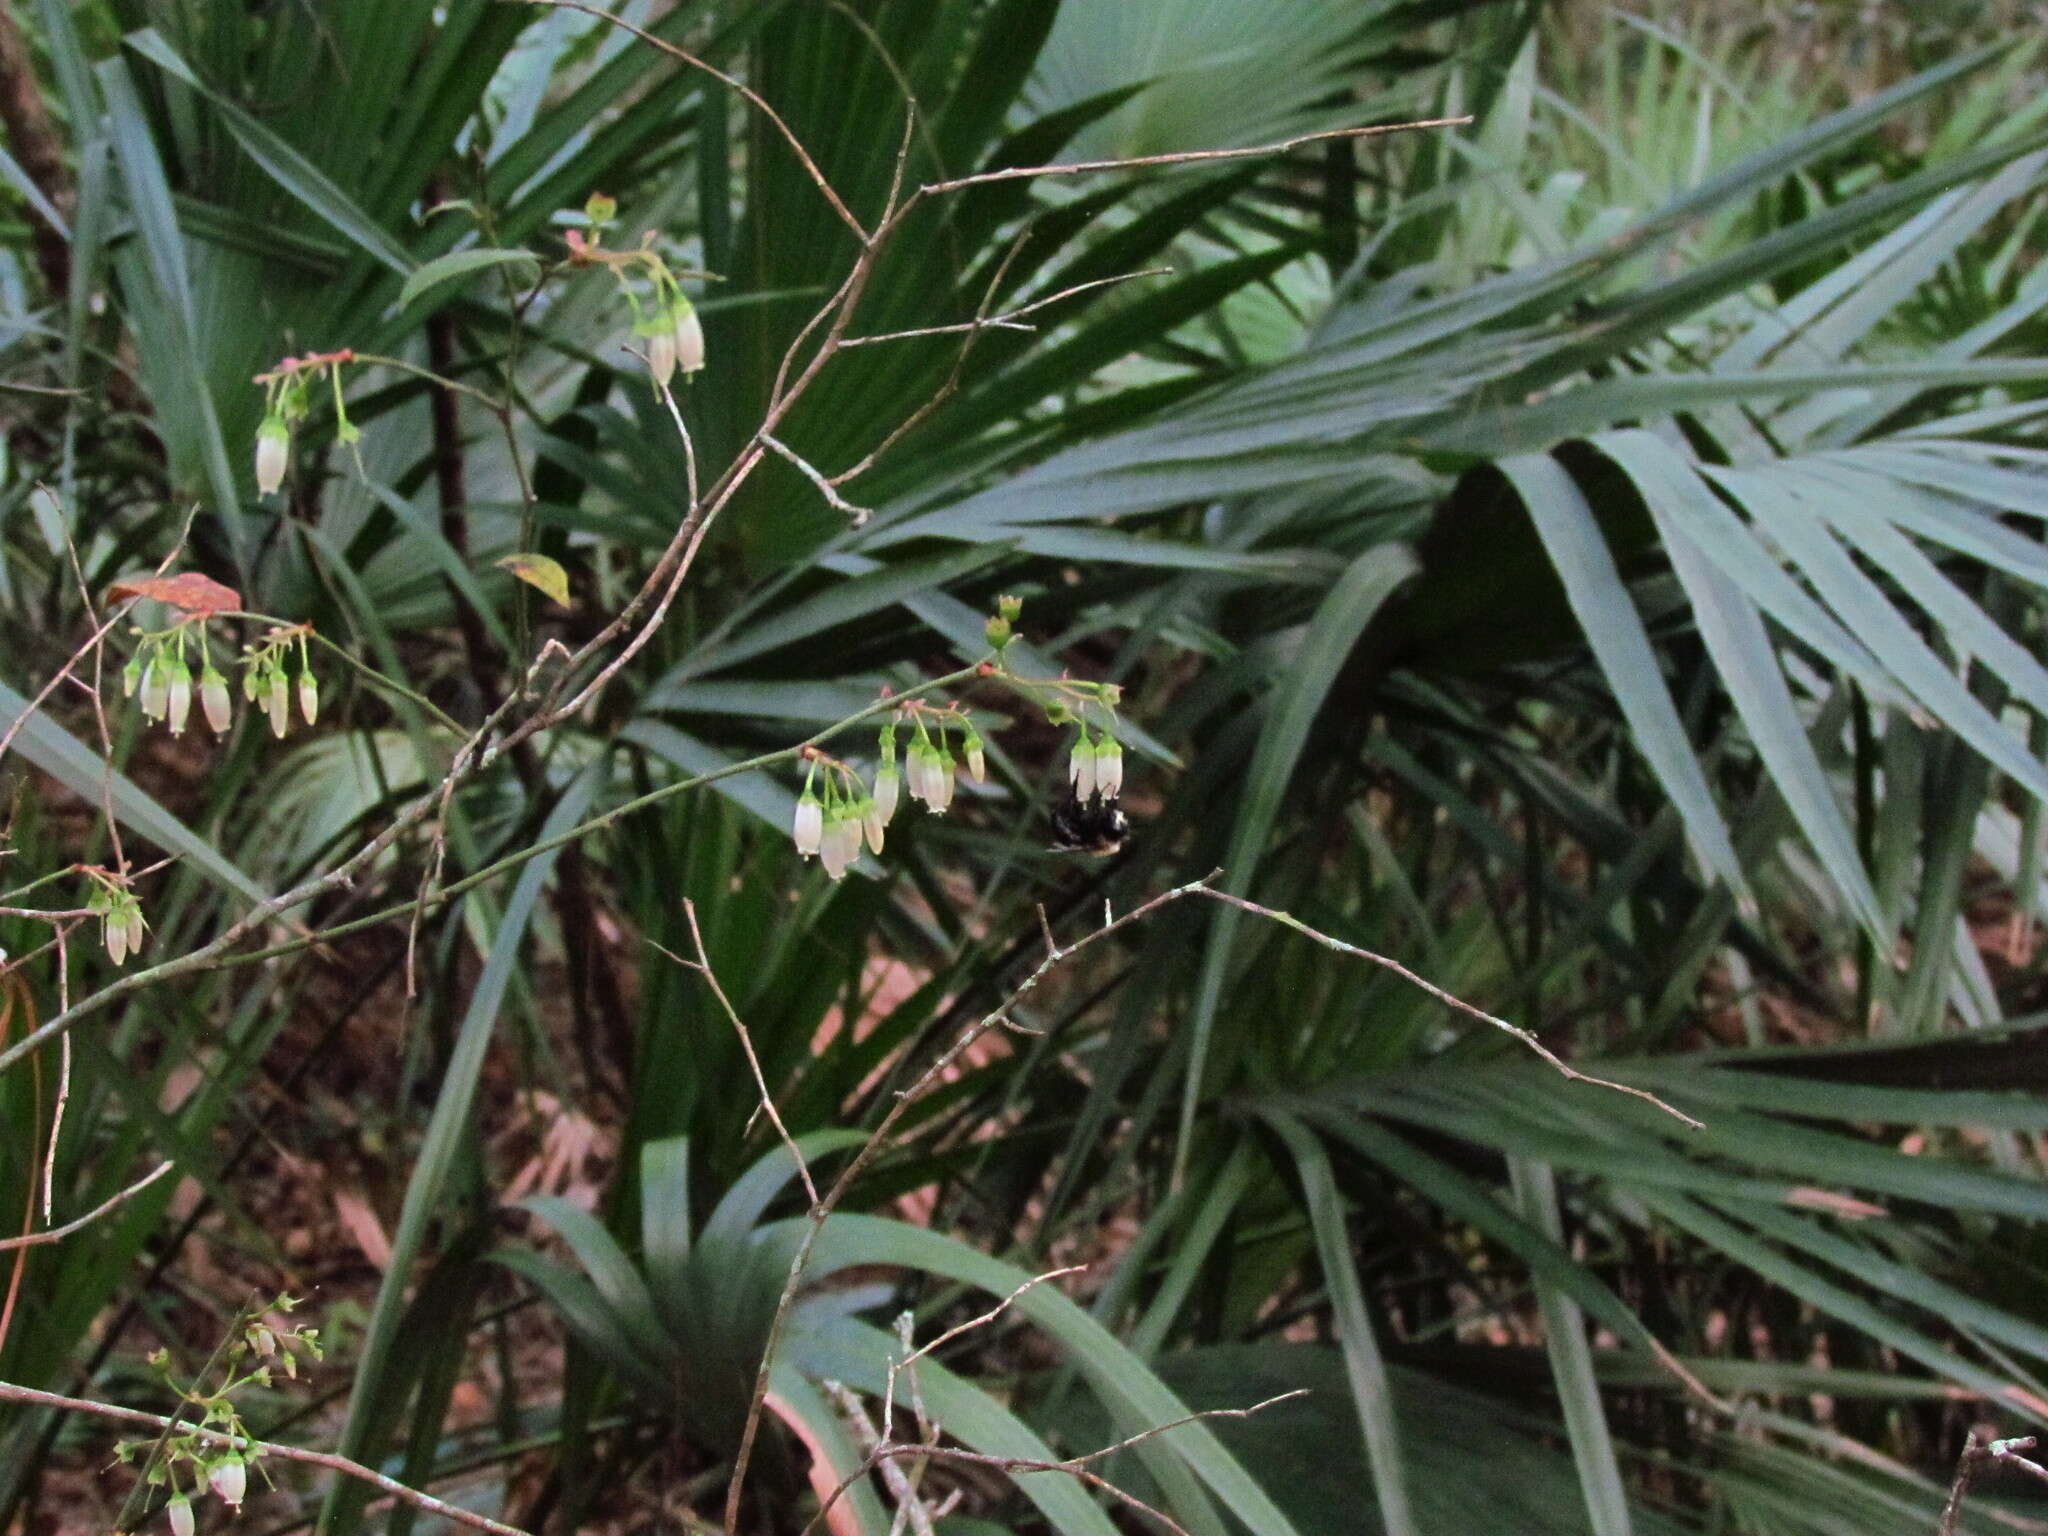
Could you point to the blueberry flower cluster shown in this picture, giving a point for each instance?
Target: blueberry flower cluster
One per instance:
(108, 898)
(839, 807)
(663, 317)
(212, 1451)
(160, 678)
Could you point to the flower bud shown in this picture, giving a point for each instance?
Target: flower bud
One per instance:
(872, 823)
(178, 701)
(138, 930)
(309, 696)
(977, 763)
(273, 449)
(810, 823)
(213, 699)
(180, 1511)
(114, 929)
(888, 786)
(229, 1478)
(1109, 768)
(689, 336)
(279, 703)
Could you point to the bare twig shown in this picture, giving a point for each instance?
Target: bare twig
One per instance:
(1073, 1466)
(826, 488)
(1184, 157)
(753, 97)
(702, 966)
(1009, 320)
(9, 1392)
(1527, 1037)
(56, 1234)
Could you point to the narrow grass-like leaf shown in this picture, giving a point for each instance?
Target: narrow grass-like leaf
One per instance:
(1363, 1363)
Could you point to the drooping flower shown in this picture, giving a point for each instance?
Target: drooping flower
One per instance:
(213, 699)
(229, 1478)
(114, 929)
(178, 697)
(660, 337)
(1109, 768)
(180, 1512)
(872, 822)
(840, 845)
(688, 331)
(156, 688)
(810, 823)
(888, 786)
(1081, 768)
(917, 770)
(309, 696)
(138, 930)
(977, 763)
(273, 452)
(279, 702)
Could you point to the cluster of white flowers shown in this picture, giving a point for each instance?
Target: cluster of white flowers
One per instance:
(831, 827)
(121, 926)
(675, 339)
(160, 680)
(1095, 768)
(835, 809)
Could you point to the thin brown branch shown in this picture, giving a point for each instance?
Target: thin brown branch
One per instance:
(826, 488)
(1527, 1037)
(9, 1392)
(753, 97)
(57, 1234)
(702, 966)
(1184, 157)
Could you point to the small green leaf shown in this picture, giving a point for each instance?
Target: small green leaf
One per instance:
(456, 264)
(541, 572)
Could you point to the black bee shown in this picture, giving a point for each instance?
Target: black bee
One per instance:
(1095, 825)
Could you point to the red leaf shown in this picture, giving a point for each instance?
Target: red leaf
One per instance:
(188, 590)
